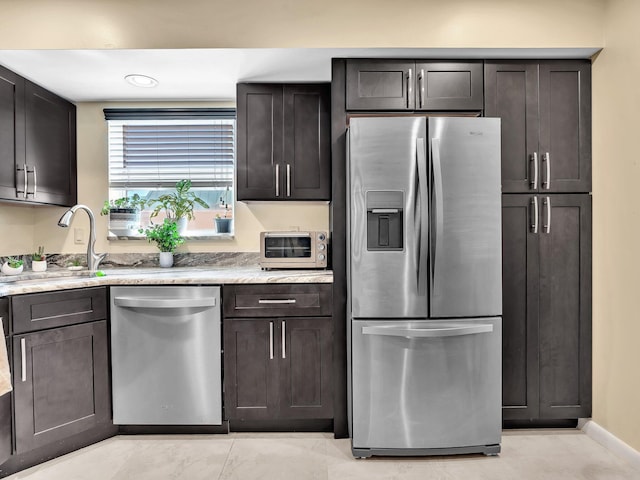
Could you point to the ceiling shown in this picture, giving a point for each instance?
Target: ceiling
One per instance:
(211, 74)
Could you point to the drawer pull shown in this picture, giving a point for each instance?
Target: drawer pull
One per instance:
(288, 301)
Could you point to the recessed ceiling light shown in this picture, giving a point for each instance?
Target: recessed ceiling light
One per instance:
(143, 81)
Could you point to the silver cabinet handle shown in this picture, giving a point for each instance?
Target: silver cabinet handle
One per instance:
(534, 219)
(429, 332)
(534, 181)
(421, 79)
(134, 302)
(546, 159)
(277, 180)
(23, 358)
(277, 301)
(284, 335)
(547, 205)
(270, 340)
(22, 168)
(35, 181)
(409, 87)
(29, 170)
(288, 180)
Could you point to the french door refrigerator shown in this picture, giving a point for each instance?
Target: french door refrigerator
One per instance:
(424, 280)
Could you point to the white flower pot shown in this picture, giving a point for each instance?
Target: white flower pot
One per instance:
(7, 270)
(182, 225)
(166, 259)
(39, 265)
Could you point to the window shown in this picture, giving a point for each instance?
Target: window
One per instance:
(150, 150)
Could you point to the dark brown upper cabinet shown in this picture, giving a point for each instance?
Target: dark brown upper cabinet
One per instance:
(545, 109)
(284, 147)
(413, 85)
(37, 144)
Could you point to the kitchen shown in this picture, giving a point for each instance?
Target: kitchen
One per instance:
(567, 24)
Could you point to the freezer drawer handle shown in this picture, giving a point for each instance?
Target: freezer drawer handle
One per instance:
(384, 210)
(277, 301)
(428, 332)
(164, 302)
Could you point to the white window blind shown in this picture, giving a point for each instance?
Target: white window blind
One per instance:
(154, 153)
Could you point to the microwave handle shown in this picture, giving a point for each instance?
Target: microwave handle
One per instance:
(288, 234)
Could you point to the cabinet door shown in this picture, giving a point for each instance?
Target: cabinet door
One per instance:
(511, 93)
(5, 420)
(259, 155)
(520, 290)
(380, 85)
(565, 127)
(50, 147)
(11, 134)
(61, 383)
(449, 86)
(565, 307)
(307, 157)
(305, 368)
(250, 369)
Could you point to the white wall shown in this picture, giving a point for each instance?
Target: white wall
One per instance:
(616, 225)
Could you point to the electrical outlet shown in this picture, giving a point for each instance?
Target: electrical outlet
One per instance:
(78, 235)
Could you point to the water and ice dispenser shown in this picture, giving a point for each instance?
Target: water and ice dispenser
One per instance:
(385, 220)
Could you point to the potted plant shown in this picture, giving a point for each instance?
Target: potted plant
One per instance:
(39, 260)
(178, 205)
(124, 214)
(167, 239)
(223, 221)
(12, 266)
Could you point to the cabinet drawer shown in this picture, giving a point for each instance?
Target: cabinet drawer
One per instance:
(38, 311)
(277, 300)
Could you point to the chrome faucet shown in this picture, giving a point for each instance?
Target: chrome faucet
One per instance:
(93, 258)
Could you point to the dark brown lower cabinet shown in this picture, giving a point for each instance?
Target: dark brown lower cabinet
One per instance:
(61, 383)
(546, 307)
(278, 368)
(5, 422)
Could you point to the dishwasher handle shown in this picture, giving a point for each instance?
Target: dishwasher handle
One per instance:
(150, 302)
(430, 332)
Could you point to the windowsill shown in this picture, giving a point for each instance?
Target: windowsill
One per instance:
(188, 236)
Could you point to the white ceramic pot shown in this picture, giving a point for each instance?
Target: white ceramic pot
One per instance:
(166, 259)
(182, 225)
(39, 265)
(7, 270)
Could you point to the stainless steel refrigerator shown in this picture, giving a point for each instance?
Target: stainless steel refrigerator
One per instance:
(424, 280)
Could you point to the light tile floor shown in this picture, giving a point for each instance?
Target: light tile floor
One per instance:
(526, 454)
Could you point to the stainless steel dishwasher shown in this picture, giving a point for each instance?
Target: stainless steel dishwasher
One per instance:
(166, 355)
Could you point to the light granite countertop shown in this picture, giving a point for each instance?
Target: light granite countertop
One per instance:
(62, 279)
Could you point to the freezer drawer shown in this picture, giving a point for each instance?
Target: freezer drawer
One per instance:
(426, 386)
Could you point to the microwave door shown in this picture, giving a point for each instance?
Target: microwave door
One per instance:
(285, 247)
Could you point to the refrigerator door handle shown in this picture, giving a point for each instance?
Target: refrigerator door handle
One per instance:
(430, 332)
(437, 206)
(534, 161)
(423, 218)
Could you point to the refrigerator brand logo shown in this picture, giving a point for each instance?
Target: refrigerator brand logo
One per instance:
(475, 133)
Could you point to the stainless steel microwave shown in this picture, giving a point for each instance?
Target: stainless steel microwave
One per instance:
(293, 250)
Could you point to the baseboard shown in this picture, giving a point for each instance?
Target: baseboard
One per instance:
(610, 441)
